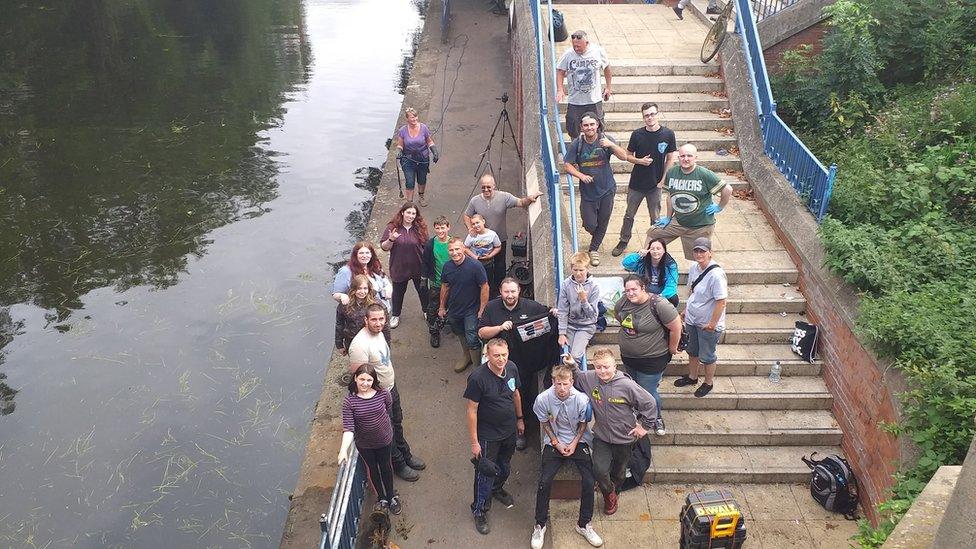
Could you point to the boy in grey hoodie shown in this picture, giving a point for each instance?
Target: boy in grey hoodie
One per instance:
(624, 412)
(578, 307)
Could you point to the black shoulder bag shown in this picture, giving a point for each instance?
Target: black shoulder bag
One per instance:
(683, 343)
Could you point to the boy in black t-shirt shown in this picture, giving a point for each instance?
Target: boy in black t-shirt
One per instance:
(652, 151)
(494, 414)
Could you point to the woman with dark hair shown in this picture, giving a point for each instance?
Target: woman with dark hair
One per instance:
(415, 149)
(366, 420)
(405, 238)
(649, 332)
(362, 261)
(658, 269)
(351, 317)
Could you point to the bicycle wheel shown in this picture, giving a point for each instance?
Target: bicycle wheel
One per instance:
(714, 38)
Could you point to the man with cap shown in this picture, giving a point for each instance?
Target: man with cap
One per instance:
(704, 316)
(582, 64)
(691, 212)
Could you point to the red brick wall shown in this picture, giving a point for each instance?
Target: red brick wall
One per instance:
(811, 35)
(861, 398)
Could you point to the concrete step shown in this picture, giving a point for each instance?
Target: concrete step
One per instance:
(732, 464)
(739, 360)
(751, 393)
(749, 428)
(662, 67)
(678, 121)
(741, 266)
(623, 180)
(757, 298)
(667, 84)
(743, 328)
(704, 140)
(667, 102)
(708, 159)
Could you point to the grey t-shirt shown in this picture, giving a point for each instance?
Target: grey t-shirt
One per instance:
(641, 335)
(701, 302)
(563, 416)
(494, 211)
(583, 74)
(593, 160)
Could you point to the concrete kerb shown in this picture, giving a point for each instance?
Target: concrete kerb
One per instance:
(319, 467)
(799, 230)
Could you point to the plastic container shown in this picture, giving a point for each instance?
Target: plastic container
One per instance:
(710, 519)
(775, 372)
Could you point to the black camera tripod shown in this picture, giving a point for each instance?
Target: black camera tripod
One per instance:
(484, 164)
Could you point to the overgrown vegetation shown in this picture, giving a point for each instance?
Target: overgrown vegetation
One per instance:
(890, 99)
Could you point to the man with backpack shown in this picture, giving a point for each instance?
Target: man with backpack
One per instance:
(704, 316)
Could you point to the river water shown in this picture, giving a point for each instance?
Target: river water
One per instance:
(177, 182)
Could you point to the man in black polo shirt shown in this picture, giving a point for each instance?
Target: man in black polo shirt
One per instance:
(530, 330)
(652, 151)
(494, 415)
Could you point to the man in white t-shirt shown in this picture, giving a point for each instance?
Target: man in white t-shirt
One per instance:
(704, 316)
(582, 66)
(370, 347)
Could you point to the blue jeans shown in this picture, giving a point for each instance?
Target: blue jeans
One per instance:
(414, 172)
(468, 327)
(702, 343)
(649, 382)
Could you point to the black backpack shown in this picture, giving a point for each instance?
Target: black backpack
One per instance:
(833, 484)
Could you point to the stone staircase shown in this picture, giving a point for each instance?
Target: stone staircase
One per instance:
(748, 430)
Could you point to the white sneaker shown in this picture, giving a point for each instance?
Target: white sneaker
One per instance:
(538, 537)
(394, 322)
(659, 427)
(590, 535)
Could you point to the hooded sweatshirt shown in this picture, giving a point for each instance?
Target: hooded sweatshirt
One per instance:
(572, 310)
(617, 405)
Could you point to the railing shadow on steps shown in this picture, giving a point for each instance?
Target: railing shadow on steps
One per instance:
(810, 179)
(340, 524)
(549, 162)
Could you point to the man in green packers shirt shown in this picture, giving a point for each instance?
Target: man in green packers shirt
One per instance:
(691, 212)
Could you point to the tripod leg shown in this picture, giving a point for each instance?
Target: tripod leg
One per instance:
(486, 154)
(508, 123)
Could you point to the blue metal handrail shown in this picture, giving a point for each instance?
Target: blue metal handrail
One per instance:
(807, 175)
(340, 524)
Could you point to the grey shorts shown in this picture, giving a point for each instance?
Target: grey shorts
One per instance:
(702, 343)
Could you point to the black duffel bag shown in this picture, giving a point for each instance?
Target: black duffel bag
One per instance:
(559, 26)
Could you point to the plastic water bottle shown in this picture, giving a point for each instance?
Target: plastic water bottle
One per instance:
(775, 371)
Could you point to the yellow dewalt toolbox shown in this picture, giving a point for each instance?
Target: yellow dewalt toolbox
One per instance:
(710, 519)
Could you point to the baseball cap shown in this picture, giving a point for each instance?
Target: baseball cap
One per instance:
(703, 243)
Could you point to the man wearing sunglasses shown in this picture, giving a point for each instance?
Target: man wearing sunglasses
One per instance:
(582, 66)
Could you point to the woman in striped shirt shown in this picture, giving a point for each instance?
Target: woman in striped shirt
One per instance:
(366, 420)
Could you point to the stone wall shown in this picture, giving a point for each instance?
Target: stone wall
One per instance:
(801, 23)
(525, 67)
(863, 387)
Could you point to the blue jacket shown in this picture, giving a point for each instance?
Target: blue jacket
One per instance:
(634, 263)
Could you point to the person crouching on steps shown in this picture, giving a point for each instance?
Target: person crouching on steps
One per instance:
(366, 420)
(564, 414)
(578, 307)
(624, 413)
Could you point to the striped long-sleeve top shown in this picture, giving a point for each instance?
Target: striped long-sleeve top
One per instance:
(368, 419)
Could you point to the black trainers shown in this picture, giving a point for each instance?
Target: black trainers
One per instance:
(677, 11)
(703, 390)
(407, 473)
(416, 463)
(395, 506)
(435, 339)
(620, 247)
(504, 498)
(713, 10)
(381, 505)
(481, 524)
(684, 381)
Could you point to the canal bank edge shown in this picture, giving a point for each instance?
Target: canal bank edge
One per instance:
(317, 474)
